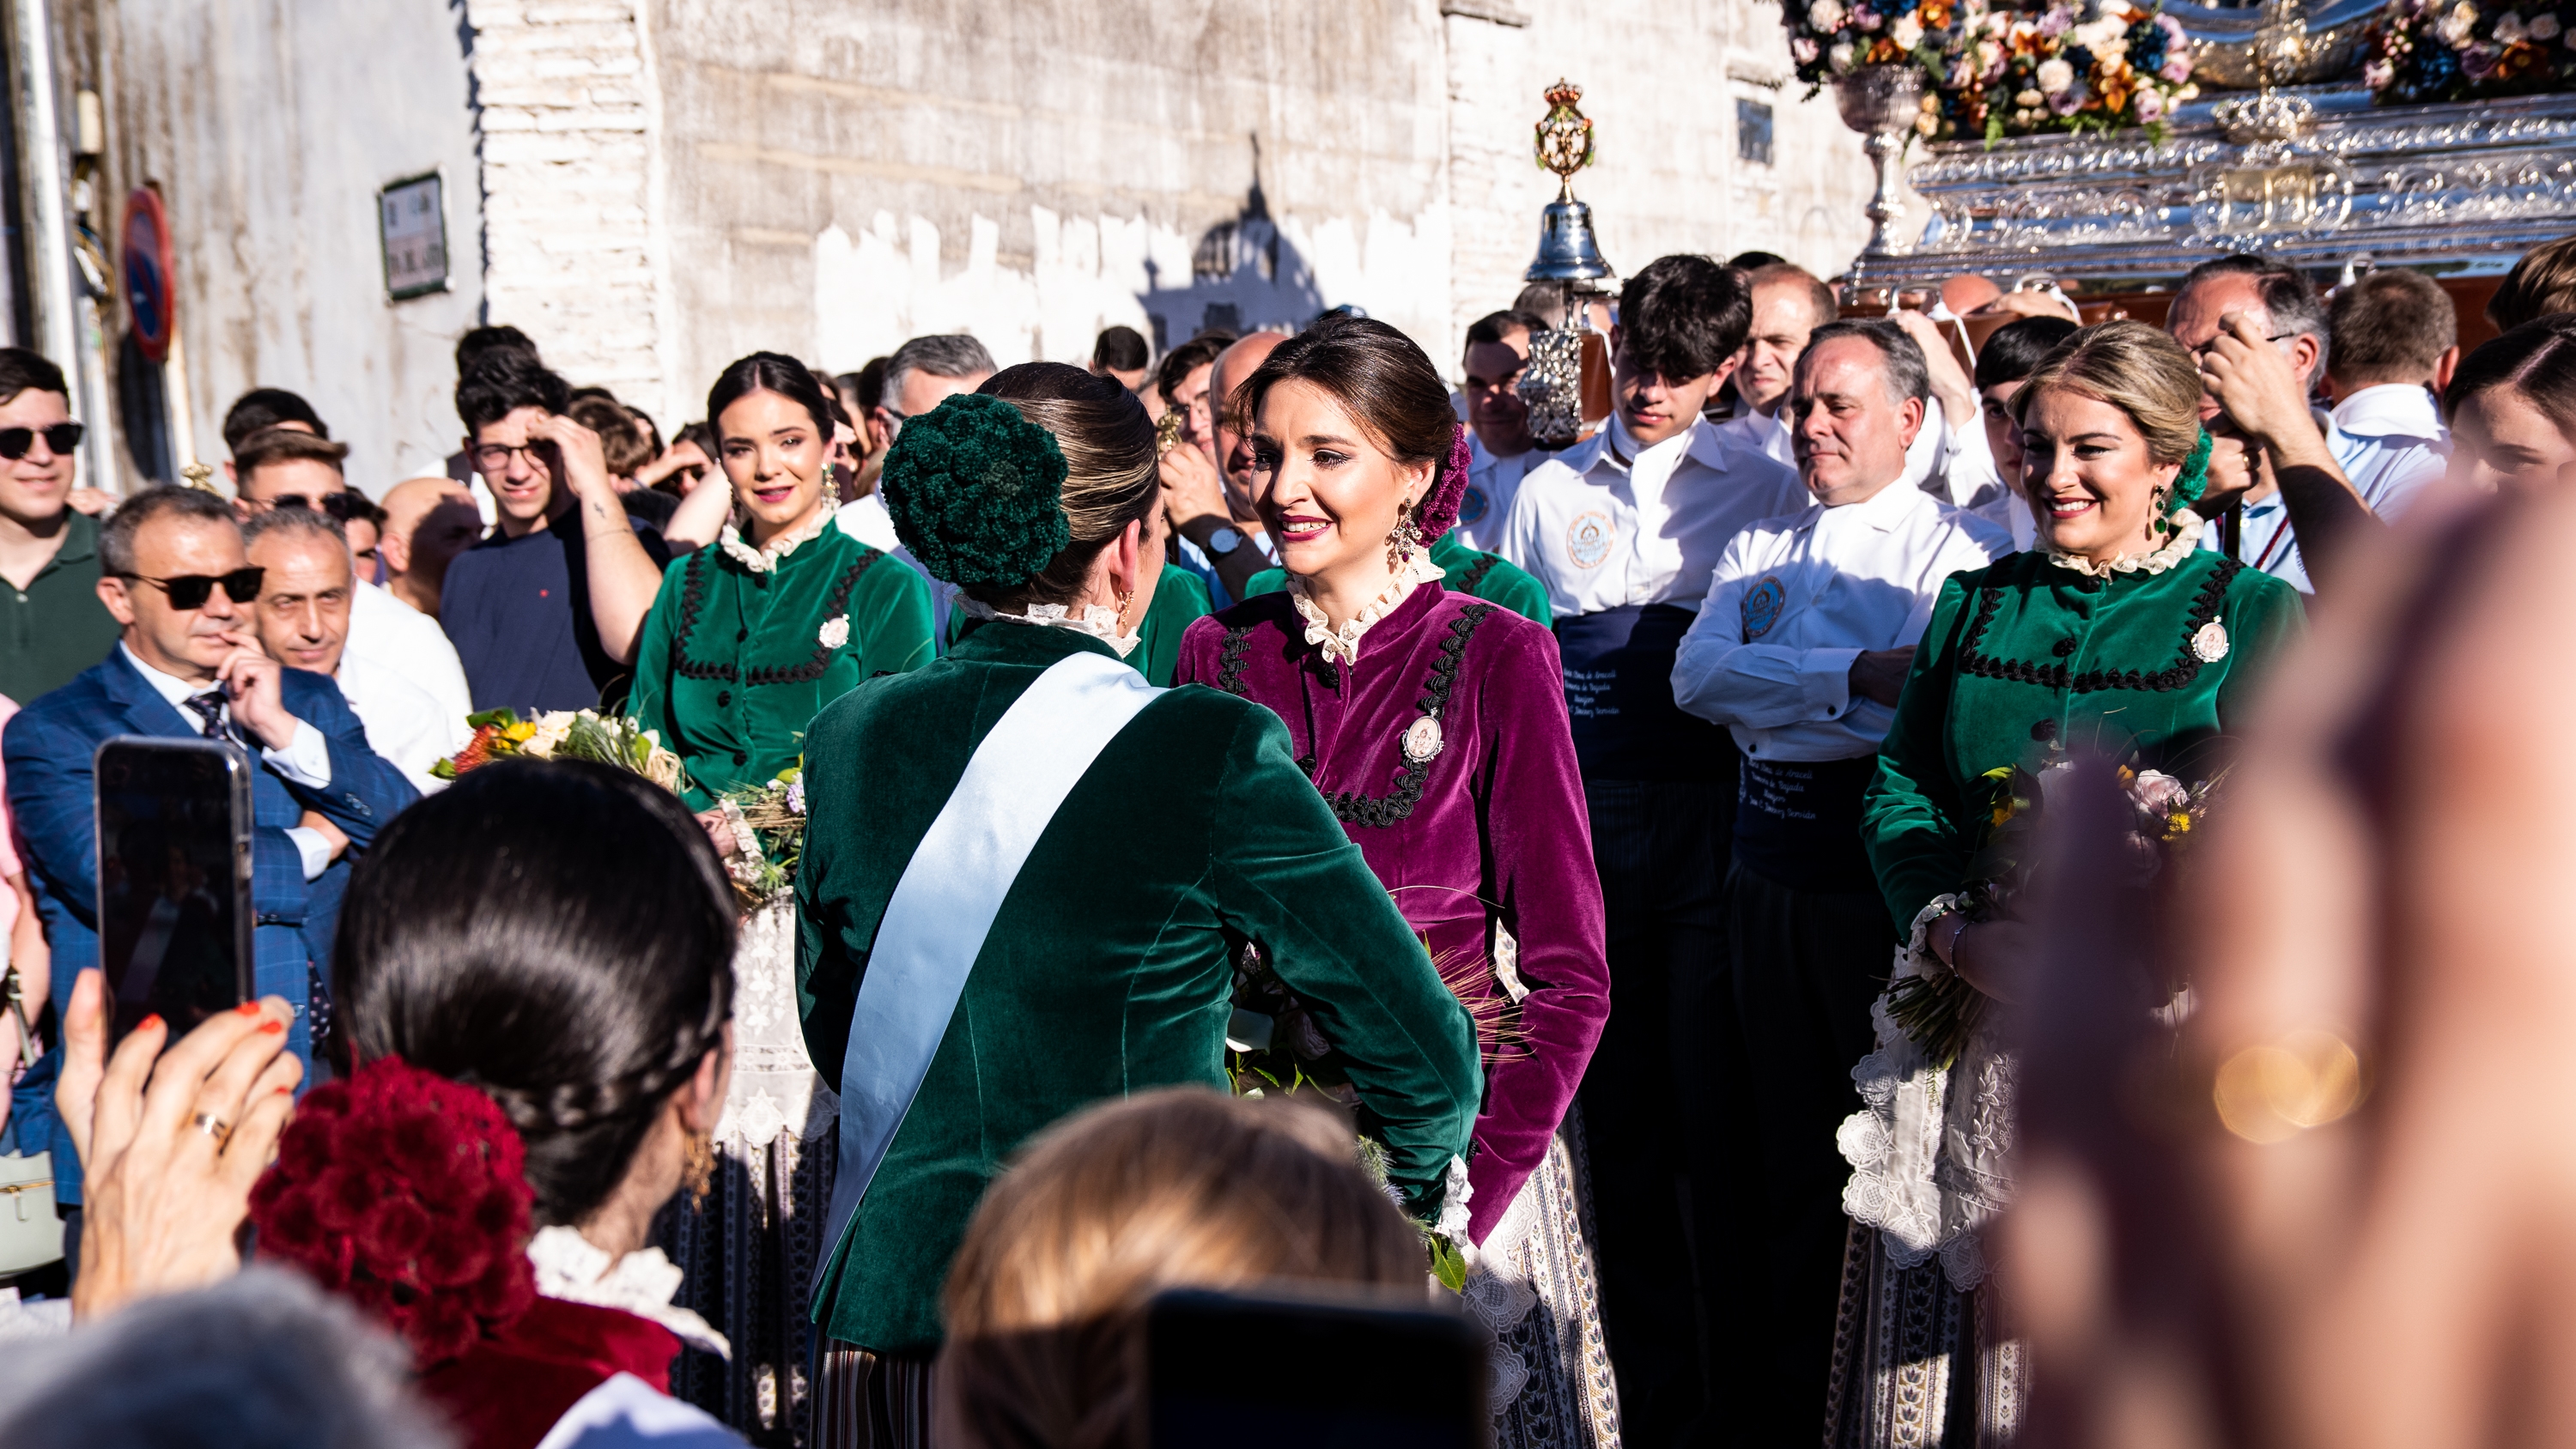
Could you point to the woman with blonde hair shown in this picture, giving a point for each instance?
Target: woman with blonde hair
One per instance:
(2118, 636)
(1177, 1188)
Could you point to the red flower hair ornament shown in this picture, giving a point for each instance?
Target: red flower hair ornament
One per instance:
(408, 1194)
(1439, 507)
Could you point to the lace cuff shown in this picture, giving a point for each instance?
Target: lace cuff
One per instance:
(1098, 621)
(1917, 958)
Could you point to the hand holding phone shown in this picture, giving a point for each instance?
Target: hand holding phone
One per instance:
(174, 867)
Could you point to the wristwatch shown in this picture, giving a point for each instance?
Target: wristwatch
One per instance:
(1222, 542)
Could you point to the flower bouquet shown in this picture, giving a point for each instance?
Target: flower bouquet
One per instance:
(1934, 1007)
(768, 823)
(2021, 73)
(1829, 39)
(2421, 51)
(564, 734)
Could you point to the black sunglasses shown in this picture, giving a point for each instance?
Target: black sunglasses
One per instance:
(342, 506)
(190, 591)
(61, 437)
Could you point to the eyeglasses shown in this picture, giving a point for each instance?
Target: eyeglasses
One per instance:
(342, 506)
(189, 592)
(493, 457)
(61, 437)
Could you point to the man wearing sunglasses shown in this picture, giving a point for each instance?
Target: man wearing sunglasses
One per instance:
(52, 625)
(287, 467)
(186, 664)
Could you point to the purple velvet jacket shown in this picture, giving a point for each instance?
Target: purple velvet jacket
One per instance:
(1491, 831)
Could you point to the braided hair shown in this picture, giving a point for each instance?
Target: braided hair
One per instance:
(558, 935)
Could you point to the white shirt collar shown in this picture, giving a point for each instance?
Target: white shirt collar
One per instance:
(2396, 409)
(1342, 645)
(570, 1267)
(1097, 620)
(1887, 509)
(169, 686)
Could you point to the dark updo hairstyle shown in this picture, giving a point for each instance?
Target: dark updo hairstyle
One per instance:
(557, 934)
(2536, 360)
(1112, 477)
(770, 372)
(1380, 375)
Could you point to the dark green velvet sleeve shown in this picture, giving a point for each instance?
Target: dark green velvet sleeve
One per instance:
(895, 605)
(1286, 875)
(1515, 589)
(2264, 618)
(648, 699)
(1910, 818)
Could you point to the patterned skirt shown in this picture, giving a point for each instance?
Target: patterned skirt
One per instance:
(751, 1248)
(1534, 1286)
(1917, 1363)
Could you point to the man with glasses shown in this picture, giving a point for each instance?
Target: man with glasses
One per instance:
(288, 467)
(546, 611)
(2259, 332)
(52, 625)
(186, 664)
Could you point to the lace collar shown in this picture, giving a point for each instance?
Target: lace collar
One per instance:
(1098, 620)
(1342, 646)
(571, 1268)
(2184, 543)
(766, 557)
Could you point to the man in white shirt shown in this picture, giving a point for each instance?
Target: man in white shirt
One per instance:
(1500, 450)
(1800, 650)
(1624, 529)
(2011, 354)
(303, 614)
(2396, 340)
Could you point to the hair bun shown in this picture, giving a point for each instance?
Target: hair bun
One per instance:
(976, 492)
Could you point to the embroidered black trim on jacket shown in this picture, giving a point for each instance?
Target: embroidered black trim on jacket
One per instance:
(693, 602)
(2185, 668)
(1229, 668)
(1474, 577)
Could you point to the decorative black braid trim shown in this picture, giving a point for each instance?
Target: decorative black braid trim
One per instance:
(2185, 668)
(1353, 808)
(693, 601)
(1474, 577)
(1229, 669)
(812, 669)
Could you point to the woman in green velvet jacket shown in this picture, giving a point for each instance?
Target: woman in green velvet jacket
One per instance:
(753, 634)
(963, 996)
(2116, 636)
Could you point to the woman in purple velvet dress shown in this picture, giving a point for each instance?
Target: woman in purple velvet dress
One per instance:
(1436, 726)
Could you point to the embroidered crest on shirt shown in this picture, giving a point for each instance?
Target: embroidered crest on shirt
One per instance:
(1762, 606)
(2211, 642)
(1471, 505)
(1588, 539)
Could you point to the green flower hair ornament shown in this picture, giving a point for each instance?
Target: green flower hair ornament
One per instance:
(976, 492)
(2193, 480)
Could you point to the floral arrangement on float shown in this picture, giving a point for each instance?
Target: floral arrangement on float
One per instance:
(767, 820)
(1935, 1008)
(2422, 51)
(1994, 71)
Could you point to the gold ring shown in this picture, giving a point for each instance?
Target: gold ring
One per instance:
(213, 1126)
(2281, 1088)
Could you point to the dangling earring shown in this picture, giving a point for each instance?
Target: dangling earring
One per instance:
(697, 1166)
(1125, 598)
(1407, 535)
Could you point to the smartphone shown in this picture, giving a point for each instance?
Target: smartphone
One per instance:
(1272, 1370)
(174, 860)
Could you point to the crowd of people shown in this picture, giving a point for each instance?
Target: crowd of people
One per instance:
(1253, 814)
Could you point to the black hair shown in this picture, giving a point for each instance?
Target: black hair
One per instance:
(1377, 373)
(1121, 348)
(25, 371)
(1189, 357)
(480, 342)
(1494, 325)
(771, 372)
(2536, 360)
(116, 535)
(1684, 316)
(266, 407)
(2012, 352)
(871, 383)
(558, 934)
(1747, 261)
(256, 450)
(502, 381)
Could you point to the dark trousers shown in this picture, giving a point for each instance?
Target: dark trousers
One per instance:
(1803, 968)
(1651, 1102)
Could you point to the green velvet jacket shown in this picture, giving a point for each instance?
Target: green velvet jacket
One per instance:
(1111, 966)
(1179, 600)
(733, 665)
(1487, 576)
(2024, 659)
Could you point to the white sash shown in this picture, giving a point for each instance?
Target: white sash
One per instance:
(943, 907)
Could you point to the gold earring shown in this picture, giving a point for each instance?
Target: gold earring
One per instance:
(1407, 535)
(1125, 598)
(697, 1167)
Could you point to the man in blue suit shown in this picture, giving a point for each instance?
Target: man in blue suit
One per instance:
(173, 574)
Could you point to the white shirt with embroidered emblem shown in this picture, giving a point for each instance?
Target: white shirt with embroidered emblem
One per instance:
(1795, 598)
(1492, 484)
(306, 760)
(2389, 441)
(1606, 524)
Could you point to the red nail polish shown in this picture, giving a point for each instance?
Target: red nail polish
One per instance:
(248, 1008)
(149, 1022)
(272, 1028)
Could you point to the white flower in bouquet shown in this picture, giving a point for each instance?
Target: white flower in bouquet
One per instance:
(1841, 58)
(834, 633)
(2107, 38)
(2509, 29)
(2028, 99)
(1908, 31)
(2150, 104)
(2544, 26)
(2158, 794)
(1827, 15)
(550, 730)
(2055, 75)
(2456, 27)
(1802, 49)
